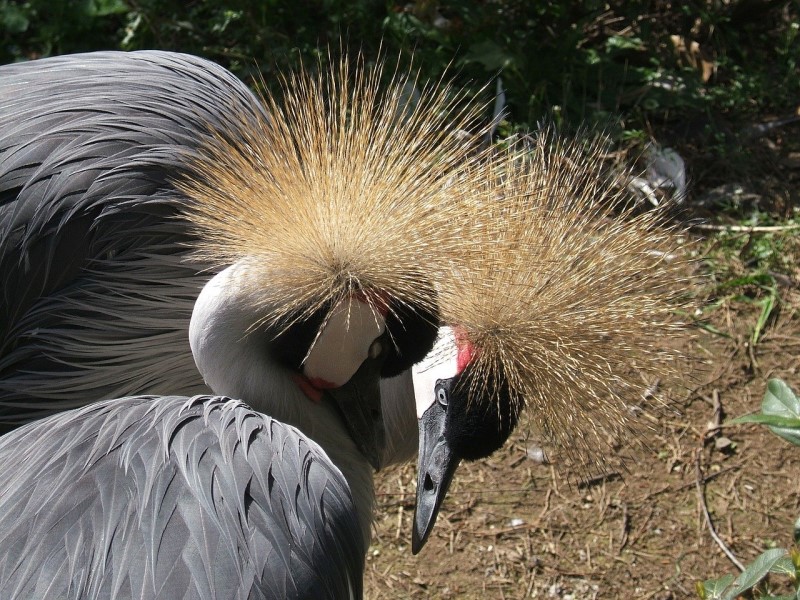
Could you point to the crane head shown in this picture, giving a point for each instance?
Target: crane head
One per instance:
(560, 303)
(339, 356)
(358, 402)
(452, 425)
(343, 366)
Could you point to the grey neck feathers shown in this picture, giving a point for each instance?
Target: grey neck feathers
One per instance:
(400, 419)
(234, 363)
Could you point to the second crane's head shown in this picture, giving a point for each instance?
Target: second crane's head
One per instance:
(560, 307)
(463, 413)
(331, 216)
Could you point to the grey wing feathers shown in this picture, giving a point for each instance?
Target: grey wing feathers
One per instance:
(173, 498)
(89, 145)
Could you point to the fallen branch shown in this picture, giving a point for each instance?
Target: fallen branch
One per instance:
(701, 495)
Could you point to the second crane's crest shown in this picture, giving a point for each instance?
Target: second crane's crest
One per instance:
(570, 294)
(344, 188)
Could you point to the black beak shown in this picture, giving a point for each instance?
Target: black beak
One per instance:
(359, 402)
(436, 464)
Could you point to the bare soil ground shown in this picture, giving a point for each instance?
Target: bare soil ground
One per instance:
(515, 528)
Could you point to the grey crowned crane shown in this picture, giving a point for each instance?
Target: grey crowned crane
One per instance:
(565, 299)
(149, 202)
(331, 227)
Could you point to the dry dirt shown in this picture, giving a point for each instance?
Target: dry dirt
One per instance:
(515, 528)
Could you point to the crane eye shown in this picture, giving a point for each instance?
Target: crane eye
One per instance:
(375, 349)
(441, 396)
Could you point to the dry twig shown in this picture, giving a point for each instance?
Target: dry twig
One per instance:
(701, 496)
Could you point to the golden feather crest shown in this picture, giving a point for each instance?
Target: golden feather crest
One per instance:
(568, 292)
(562, 287)
(344, 187)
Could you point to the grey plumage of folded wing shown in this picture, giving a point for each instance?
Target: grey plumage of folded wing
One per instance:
(173, 498)
(88, 147)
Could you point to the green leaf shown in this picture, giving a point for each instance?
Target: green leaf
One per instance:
(763, 280)
(767, 304)
(13, 19)
(491, 55)
(797, 531)
(621, 42)
(755, 572)
(711, 329)
(784, 566)
(103, 8)
(788, 422)
(780, 401)
(700, 590)
(780, 411)
(714, 588)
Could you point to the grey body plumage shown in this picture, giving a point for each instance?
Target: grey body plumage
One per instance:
(148, 497)
(88, 150)
(172, 497)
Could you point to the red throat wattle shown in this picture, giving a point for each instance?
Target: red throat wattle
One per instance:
(312, 388)
(466, 350)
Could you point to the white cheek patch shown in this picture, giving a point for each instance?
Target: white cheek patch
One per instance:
(343, 344)
(442, 362)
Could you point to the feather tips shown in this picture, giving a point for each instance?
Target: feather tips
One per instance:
(567, 292)
(342, 189)
(177, 506)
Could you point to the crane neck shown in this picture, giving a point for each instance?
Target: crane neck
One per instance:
(235, 361)
(399, 418)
